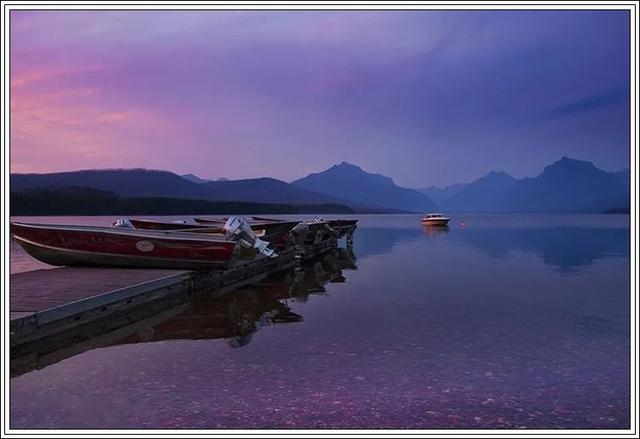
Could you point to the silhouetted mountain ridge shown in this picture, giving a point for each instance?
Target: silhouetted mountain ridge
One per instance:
(154, 183)
(123, 182)
(481, 195)
(195, 178)
(567, 185)
(440, 194)
(269, 190)
(351, 183)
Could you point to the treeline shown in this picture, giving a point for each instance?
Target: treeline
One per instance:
(626, 210)
(86, 201)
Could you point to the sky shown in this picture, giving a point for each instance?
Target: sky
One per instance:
(425, 97)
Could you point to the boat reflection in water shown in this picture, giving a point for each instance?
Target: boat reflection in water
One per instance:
(234, 317)
(312, 277)
(434, 231)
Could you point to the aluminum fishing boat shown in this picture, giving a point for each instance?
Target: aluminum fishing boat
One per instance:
(307, 231)
(122, 247)
(342, 227)
(276, 233)
(142, 224)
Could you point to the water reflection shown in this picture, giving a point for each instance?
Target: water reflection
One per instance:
(459, 329)
(567, 249)
(312, 277)
(374, 241)
(234, 317)
(434, 231)
(564, 248)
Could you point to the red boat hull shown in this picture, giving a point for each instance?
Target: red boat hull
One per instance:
(108, 247)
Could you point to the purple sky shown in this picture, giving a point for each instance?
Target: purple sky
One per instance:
(424, 97)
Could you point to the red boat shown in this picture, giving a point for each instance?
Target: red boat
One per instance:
(341, 226)
(308, 231)
(116, 247)
(275, 233)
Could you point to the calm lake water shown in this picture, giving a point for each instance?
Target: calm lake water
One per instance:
(501, 321)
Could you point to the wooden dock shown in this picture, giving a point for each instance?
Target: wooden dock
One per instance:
(45, 303)
(234, 316)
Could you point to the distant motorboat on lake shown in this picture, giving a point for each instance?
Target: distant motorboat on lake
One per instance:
(435, 220)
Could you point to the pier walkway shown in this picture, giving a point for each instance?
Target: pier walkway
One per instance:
(44, 303)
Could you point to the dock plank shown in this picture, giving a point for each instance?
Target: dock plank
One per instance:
(66, 301)
(38, 290)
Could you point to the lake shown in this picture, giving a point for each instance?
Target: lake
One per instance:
(499, 321)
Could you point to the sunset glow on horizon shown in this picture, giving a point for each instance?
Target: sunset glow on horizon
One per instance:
(424, 97)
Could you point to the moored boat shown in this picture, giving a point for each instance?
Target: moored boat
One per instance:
(143, 224)
(273, 232)
(118, 247)
(435, 219)
(200, 220)
(342, 227)
(307, 231)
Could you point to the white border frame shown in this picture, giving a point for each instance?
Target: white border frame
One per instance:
(7, 6)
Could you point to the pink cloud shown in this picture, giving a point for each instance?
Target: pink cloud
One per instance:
(56, 126)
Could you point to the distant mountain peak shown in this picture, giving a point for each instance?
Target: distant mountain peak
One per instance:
(348, 166)
(569, 161)
(567, 164)
(194, 178)
(351, 182)
(498, 174)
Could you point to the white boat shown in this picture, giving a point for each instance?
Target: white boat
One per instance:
(435, 219)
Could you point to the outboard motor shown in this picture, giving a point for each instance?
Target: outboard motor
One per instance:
(122, 223)
(327, 227)
(298, 234)
(238, 228)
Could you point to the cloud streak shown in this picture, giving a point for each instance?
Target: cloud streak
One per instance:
(593, 102)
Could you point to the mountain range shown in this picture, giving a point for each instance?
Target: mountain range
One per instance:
(154, 183)
(567, 185)
(351, 183)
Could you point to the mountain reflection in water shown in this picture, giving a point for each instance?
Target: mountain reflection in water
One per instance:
(565, 248)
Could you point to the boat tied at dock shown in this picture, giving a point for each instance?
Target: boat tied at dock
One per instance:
(207, 244)
(126, 247)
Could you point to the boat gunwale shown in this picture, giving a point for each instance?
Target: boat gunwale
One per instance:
(139, 233)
